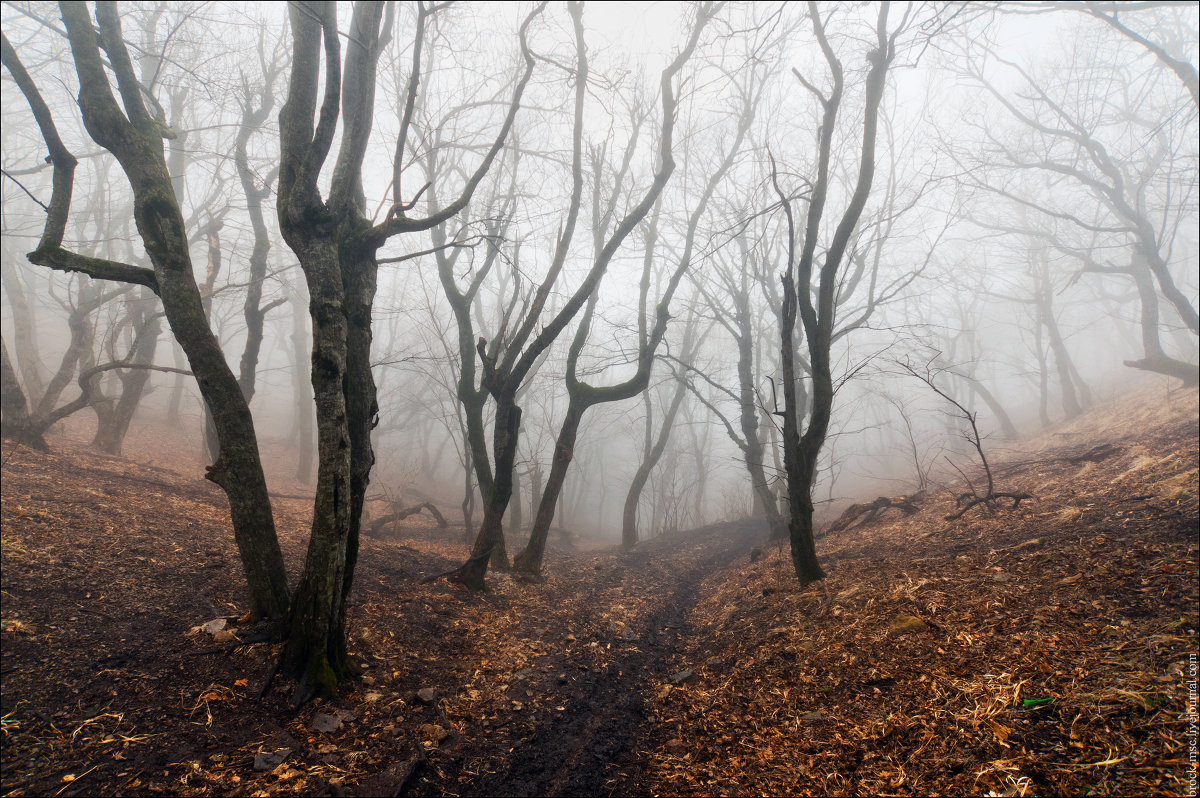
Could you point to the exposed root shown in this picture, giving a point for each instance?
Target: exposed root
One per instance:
(376, 526)
(415, 764)
(266, 688)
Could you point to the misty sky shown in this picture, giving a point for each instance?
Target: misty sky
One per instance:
(970, 219)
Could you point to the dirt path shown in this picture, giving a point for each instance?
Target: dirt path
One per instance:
(1086, 596)
(107, 565)
(590, 746)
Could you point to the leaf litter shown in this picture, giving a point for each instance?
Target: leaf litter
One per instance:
(1041, 651)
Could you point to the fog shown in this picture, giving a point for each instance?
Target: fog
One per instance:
(1027, 236)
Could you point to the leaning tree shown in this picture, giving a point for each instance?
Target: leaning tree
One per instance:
(1113, 133)
(133, 130)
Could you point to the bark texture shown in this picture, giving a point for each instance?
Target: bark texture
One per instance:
(135, 139)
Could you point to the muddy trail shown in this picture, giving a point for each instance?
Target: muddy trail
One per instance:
(110, 565)
(1045, 650)
(590, 744)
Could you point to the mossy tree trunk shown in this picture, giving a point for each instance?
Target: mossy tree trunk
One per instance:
(338, 251)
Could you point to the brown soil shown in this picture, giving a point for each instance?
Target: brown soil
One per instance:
(1086, 595)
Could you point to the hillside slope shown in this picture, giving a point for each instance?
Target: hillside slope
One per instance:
(1042, 651)
(678, 668)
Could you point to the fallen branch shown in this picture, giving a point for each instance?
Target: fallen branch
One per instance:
(987, 501)
(864, 514)
(399, 515)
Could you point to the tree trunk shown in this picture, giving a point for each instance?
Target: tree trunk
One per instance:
(468, 501)
(110, 436)
(14, 412)
(752, 426)
(312, 653)
(629, 530)
(212, 235)
(1006, 425)
(800, 460)
(515, 520)
(359, 276)
(1043, 377)
(1156, 359)
(25, 348)
(177, 386)
(255, 315)
(801, 451)
(490, 541)
(1062, 358)
(530, 558)
(176, 166)
(80, 324)
(302, 395)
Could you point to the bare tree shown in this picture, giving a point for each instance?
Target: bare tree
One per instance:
(1134, 197)
(582, 395)
(657, 436)
(254, 114)
(989, 497)
(507, 362)
(338, 246)
(134, 136)
(818, 320)
(141, 325)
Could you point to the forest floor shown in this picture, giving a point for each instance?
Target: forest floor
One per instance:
(1045, 650)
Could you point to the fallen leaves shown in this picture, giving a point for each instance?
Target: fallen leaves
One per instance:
(539, 688)
(1033, 648)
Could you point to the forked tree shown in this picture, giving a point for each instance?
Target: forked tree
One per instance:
(509, 358)
(652, 328)
(338, 249)
(802, 278)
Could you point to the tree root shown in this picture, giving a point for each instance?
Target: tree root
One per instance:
(443, 575)
(524, 563)
(258, 637)
(266, 688)
(413, 768)
(376, 526)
